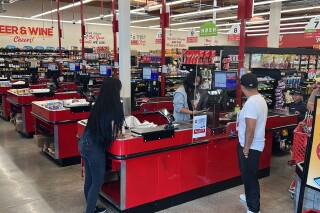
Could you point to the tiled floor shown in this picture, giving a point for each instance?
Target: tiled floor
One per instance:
(30, 182)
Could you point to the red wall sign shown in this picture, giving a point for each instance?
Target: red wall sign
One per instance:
(293, 40)
(25, 34)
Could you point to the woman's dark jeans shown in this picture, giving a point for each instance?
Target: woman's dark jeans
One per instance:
(94, 158)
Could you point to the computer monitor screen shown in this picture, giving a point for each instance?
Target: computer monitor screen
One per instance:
(208, 99)
(52, 67)
(150, 73)
(105, 70)
(77, 67)
(224, 80)
(72, 66)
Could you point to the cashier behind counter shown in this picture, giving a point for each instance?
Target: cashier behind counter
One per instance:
(298, 106)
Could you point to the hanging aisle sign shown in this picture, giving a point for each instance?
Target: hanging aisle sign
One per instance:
(192, 36)
(234, 33)
(312, 30)
(208, 29)
(159, 37)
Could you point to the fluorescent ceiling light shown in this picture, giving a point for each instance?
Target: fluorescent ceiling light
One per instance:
(234, 17)
(222, 9)
(268, 2)
(33, 19)
(145, 20)
(267, 26)
(258, 34)
(283, 33)
(61, 8)
(134, 11)
(205, 11)
(95, 18)
(281, 29)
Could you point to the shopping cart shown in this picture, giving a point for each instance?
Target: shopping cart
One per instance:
(311, 211)
(300, 139)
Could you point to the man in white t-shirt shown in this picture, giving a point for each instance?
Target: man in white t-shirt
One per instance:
(251, 131)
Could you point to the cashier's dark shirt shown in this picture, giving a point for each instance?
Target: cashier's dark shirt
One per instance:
(301, 107)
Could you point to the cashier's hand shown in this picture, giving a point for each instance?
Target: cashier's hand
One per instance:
(195, 112)
(297, 112)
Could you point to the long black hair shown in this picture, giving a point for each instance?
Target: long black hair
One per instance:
(106, 116)
(188, 82)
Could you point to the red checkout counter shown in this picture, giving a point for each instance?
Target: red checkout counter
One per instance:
(22, 104)
(146, 109)
(60, 126)
(148, 174)
(6, 104)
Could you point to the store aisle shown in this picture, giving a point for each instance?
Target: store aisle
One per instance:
(30, 182)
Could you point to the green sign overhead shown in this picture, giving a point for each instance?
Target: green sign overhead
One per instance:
(208, 29)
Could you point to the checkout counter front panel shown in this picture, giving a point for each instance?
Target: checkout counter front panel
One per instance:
(22, 104)
(178, 169)
(61, 125)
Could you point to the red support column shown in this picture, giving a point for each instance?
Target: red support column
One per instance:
(242, 45)
(83, 31)
(245, 9)
(59, 35)
(115, 30)
(163, 47)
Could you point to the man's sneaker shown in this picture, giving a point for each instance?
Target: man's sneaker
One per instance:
(100, 210)
(243, 197)
(251, 211)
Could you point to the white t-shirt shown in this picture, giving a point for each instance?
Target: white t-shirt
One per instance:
(255, 108)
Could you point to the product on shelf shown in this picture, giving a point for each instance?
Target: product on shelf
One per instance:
(53, 104)
(24, 91)
(39, 90)
(279, 95)
(5, 83)
(75, 102)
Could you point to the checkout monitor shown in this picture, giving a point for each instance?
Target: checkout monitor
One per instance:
(208, 99)
(105, 70)
(52, 67)
(224, 80)
(150, 73)
(74, 66)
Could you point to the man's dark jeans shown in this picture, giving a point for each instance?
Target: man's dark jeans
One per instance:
(94, 158)
(249, 173)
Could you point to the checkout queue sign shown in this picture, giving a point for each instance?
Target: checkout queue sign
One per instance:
(313, 178)
(199, 126)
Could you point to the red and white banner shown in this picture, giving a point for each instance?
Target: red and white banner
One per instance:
(192, 36)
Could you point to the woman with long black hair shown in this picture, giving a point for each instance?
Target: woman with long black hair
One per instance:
(104, 124)
(184, 96)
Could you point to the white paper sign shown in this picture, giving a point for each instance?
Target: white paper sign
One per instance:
(235, 29)
(314, 24)
(199, 126)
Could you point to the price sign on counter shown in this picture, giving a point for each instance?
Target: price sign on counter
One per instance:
(199, 126)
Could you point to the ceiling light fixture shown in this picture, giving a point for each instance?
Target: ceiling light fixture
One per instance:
(61, 8)
(282, 33)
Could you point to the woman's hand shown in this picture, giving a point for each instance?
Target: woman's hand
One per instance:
(195, 112)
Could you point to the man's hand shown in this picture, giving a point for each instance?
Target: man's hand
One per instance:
(297, 112)
(246, 151)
